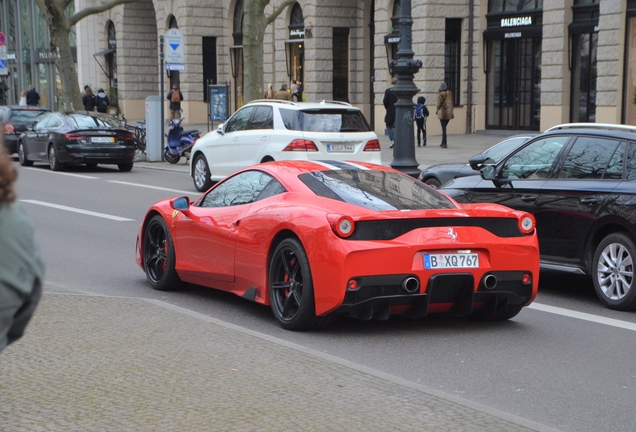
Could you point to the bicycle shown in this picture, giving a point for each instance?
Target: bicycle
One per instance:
(139, 132)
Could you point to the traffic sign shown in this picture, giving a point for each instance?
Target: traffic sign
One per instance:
(3, 39)
(173, 49)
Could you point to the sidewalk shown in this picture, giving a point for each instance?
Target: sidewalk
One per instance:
(124, 364)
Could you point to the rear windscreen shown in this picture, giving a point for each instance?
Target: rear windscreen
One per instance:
(81, 121)
(376, 190)
(325, 120)
(26, 116)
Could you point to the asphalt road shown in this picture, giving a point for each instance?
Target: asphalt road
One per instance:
(566, 362)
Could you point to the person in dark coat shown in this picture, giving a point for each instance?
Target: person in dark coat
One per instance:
(420, 113)
(101, 101)
(21, 267)
(32, 97)
(175, 97)
(88, 99)
(389, 104)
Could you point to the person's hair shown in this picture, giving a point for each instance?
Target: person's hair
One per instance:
(393, 80)
(101, 90)
(283, 87)
(8, 174)
(89, 92)
(24, 92)
(174, 86)
(86, 87)
(421, 99)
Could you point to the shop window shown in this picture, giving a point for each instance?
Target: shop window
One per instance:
(514, 5)
(341, 64)
(209, 64)
(452, 56)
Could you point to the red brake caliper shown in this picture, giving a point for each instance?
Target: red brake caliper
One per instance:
(287, 276)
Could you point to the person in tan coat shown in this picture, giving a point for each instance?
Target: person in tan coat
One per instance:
(445, 107)
(283, 94)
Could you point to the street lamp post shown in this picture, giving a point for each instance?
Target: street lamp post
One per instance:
(405, 67)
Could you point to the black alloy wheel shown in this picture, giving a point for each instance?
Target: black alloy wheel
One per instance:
(54, 162)
(22, 156)
(158, 256)
(291, 289)
(171, 158)
(613, 272)
(201, 174)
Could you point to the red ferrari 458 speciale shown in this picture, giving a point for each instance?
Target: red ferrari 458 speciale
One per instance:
(320, 239)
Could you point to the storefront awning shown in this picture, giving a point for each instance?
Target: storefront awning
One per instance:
(583, 27)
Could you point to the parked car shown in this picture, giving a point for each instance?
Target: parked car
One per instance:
(72, 138)
(437, 175)
(272, 130)
(17, 119)
(314, 239)
(579, 181)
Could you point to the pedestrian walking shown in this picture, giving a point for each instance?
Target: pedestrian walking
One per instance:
(293, 89)
(23, 98)
(269, 93)
(420, 113)
(175, 97)
(101, 101)
(283, 94)
(32, 97)
(445, 107)
(21, 268)
(389, 104)
(88, 99)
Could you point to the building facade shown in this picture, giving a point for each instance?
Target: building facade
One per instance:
(512, 64)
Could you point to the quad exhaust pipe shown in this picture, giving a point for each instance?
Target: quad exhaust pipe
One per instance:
(490, 281)
(411, 285)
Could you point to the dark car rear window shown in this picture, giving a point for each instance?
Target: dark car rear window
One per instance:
(78, 121)
(375, 190)
(325, 120)
(26, 116)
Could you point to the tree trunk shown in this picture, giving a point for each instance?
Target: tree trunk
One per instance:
(71, 96)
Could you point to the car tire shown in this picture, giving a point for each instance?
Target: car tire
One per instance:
(170, 158)
(501, 314)
(291, 290)
(22, 155)
(125, 167)
(433, 182)
(201, 173)
(159, 257)
(54, 162)
(613, 272)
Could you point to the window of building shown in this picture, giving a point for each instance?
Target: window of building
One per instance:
(209, 64)
(236, 54)
(341, 64)
(514, 5)
(452, 56)
(173, 75)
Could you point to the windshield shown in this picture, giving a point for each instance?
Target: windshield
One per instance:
(376, 190)
(325, 120)
(86, 121)
(504, 148)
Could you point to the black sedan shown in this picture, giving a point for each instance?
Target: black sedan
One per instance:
(438, 175)
(17, 119)
(77, 138)
(579, 181)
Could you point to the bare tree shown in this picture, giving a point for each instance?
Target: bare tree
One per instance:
(60, 26)
(254, 24)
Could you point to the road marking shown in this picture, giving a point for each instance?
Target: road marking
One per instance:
(62, 173)
(76, 210)
(154, 187)
(584, 316)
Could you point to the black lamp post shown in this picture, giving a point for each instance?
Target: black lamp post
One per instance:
(405, 67)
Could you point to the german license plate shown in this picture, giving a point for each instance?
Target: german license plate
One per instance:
(452, 260)
(340, 148)
(102, 139)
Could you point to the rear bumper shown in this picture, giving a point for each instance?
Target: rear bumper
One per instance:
(81, 154)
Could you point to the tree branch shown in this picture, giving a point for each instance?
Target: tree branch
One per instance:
(278, 11)
(72, 20)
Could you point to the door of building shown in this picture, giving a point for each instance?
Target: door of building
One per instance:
(513, 84)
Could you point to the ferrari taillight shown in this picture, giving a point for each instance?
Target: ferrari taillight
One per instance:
(9, 129)
(343, 226)
(527, 223)
(301, 145)
(373, 145)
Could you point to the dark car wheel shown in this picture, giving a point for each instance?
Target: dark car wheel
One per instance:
(159, 257)
(291, 290)
(54, 162)
(125, 167)
(433, 182)
(201, 174)
(613, 272)
(22, 155)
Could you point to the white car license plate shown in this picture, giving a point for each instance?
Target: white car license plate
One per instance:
(340, 148)
(102, 139)
(452, 260)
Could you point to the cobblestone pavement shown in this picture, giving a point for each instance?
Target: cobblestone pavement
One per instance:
(123, 364)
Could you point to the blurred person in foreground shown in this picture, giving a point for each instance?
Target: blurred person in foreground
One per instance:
(21, 268)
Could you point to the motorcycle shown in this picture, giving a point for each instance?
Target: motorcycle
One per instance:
(180, 142)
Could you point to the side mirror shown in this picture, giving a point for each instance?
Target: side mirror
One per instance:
(476, 162)
(219, 130)
(488, 172)
(181, 203)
